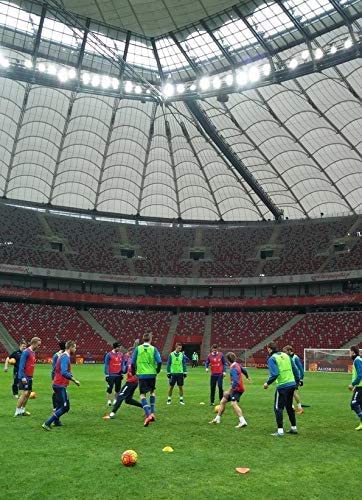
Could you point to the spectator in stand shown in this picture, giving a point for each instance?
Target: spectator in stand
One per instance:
(195, 359)
(25, 376)
(127, 391)
(356, 384)
(299, 366)
(15, 361)
(176, 372)
(113, 371)
(217, 363)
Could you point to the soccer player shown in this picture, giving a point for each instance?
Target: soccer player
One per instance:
(356, 385)
(299, 366)
(129, 387)
(195, 359)
(15, 355)
(62, 377)
(176, 372)
(52, 373)
(146, 364)
(217, 363)
(283, 371)
(235, 391)
(25, 376)
(113, 371)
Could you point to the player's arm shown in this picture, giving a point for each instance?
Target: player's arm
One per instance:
(234, 378)
(273, 372)
(23, 358)
(184, 365)
(6, 364)
(134, 361)
(168, 365)
(64, 370)
(224, 364)
(300, 368)
(158, 359)
(244, 371)
(207, 363)
(106, 364)
(295, 372)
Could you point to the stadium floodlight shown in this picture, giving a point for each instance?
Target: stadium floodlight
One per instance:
(333, 49)
(41, 67)
(138, 89)
(193, 87)
(105, 82)
(4, 62)
(241, 78)
(115, 83)
(216, 83)
(52, 69)
(168, 90)
(348, 43)
(318, 54)
(28, 64)
(305, 55)
(86, 78)
(266, 69)
(180, 88)
(63, 75)
(254, 74)
(229, 80)
(96, 80)
(72, 74)
(204, 83)
(128, 86)
(293, 63)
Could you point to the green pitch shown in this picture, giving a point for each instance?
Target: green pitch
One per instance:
(82, 459)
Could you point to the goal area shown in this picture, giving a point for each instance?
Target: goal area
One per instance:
(327, 360)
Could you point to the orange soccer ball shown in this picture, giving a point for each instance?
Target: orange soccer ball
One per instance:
(32, 395)
(12, 361)
(129, 458)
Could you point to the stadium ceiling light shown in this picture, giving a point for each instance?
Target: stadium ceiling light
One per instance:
(138, 89)
(95, 80)
(305, 55)
(168, 90)
(241, 78)
(52, 69)
(348, 43)
(128, 86)
(266, 69)
(229, 80)
(333, 49)
(86, 78)
(254, 74)
(115, 83)
(193, 87)
(180, 88)
(41, 67)
(105, 82)
(216, 83)
(318, 54)
(204, 83)
(4, 62)
(293, 63)
(28, 64)
(63, 75)
(72, 74)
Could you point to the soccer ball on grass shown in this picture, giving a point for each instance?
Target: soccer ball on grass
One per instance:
(129, 458)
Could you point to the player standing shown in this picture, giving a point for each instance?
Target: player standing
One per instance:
(15, 355)
(25, 375)
(54, 362)
(176, 372)
(356, 384)
(235, 391)
(62, 377)
(299, 366)
(217, 363)
(146, 364)
(113, 371)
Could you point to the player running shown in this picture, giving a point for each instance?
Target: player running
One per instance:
(356, 384)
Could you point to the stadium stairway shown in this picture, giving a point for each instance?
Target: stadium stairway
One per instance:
(123, 234)
(355, 341)
(170, 336)
(205, 346)
(272, 241)
(97, 327)
(275, 335)
(7, 340)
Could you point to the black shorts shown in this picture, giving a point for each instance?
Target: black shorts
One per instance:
(357, 396)
(147, 385)
(28, 386)
(114, 381)
(128, 389)
(235, 396)
(176, 378)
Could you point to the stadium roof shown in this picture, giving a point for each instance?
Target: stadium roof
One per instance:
(288, 144)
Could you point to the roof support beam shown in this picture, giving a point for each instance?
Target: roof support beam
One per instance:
(222, 49)
(159, 66)
(147, 155)
(191, 62)
(232, 157)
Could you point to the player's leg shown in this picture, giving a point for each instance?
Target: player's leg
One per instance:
(21, 404)
(356, 405)
(220, 381)
(109, 390)
(213, 382)
(221, 410)
(152, 385)
(290, 410)
(180, 384)
(63, 406)
(129, 396)
(172, 382)
(297, 399)
(235, 397)
(15, 386)
(279, 405)
(117, 388)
